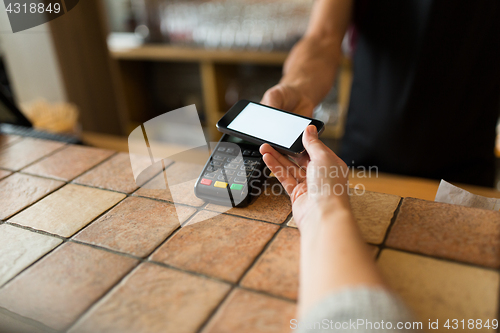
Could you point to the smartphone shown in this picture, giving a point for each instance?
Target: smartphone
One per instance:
(233, 175)
(260, 124)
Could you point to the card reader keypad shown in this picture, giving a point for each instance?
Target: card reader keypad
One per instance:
(233, 175)
(228, 168)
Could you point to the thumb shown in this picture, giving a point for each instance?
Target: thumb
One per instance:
(315, 148)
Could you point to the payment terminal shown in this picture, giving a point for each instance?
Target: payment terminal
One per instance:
(233, 174)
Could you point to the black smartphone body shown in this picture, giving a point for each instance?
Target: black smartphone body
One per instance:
(233, 174)
(260, 124)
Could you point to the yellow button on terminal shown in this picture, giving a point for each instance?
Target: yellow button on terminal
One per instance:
(220, 184)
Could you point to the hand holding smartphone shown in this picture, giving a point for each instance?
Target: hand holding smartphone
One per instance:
(261, 124)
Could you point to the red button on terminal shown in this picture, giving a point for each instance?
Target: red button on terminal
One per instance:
(205, 181)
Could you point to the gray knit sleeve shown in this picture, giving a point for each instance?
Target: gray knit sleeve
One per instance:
(358, 310)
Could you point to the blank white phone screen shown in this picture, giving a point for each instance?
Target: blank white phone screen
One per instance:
(269, 125)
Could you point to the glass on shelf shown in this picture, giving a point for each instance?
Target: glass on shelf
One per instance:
(148, 20)
(227, 24)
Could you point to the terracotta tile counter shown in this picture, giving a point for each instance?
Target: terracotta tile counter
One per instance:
(84, 249)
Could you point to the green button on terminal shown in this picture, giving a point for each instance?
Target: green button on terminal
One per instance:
(238, 187)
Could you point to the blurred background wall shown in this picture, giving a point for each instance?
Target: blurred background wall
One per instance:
(31, 64)
(123, 62)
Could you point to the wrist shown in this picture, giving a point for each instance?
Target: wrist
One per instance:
(321, 216)
(331, 204)
(334, 213)
(300, 86)
(311, 66)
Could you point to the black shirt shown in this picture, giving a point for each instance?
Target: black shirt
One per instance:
(426, 89)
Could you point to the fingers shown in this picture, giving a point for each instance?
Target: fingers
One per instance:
(289, 183)
(316, 149)
(295, 171)
(267, 149)
(273, 97)
(282, 97)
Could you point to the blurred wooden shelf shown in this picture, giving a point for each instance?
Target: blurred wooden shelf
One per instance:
(192, 54)
(109, 75)
(216, 71)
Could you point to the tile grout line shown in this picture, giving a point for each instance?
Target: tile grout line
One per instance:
(198, 210)
(163, 168)
(288, 219)
(395, 214)
(64, 146)
(132, 194)
(98, 217)
(211, 315)
(237, 283)
(203, 207)
(95, 166)
(383, 246)
(10, 174)
(259, 255)
(15, 141)
(33, 203)
(249, 218)
(172, 234)
(66, 239)
(102, 248)
(54, 190)
(263, 293)
(72, 183)
(37, 231)
(71, 179)
(21, 172)
(283, 225)
(146, 258)
(103, 188)
(42, 232)
(32, 264)
(182, 270)
(123, 254)
(214, 278)
(139, 260)
(28, 321)
(448, 260)
(102, 297)
(97, 188)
